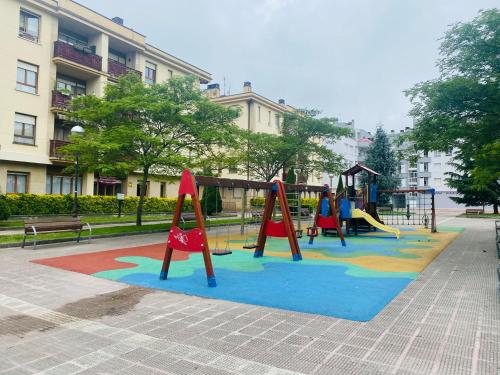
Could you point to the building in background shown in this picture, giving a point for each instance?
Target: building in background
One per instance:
(51, 51)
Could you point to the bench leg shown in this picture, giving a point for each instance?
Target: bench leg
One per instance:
(24, 242)
(34, 242)
(78, 238)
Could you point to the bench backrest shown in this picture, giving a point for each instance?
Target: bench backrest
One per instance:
(50, 220)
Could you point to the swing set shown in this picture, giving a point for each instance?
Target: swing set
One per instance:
(195, 240)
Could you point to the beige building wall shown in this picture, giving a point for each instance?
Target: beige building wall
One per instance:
(103, 34)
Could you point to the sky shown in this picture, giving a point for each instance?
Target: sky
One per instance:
(351, 59)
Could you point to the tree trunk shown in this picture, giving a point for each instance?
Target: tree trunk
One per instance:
(495, 209)
(144, 184)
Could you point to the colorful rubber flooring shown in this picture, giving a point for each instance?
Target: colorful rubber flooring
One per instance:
(353, 282)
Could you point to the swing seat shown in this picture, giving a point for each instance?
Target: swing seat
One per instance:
(250, 246)
(326, 222)
(298, 233)
(221, 252)
(275, 229)
(190, 241)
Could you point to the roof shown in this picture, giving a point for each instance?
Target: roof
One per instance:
(226, 99)
(364, 139)
(359, 168)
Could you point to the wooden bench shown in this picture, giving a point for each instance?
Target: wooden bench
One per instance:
(54, 225)
(476, 211)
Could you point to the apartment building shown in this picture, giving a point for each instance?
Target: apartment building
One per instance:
(51, 51)
(258, 114)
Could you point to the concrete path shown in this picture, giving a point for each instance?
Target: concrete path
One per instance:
(57, 322)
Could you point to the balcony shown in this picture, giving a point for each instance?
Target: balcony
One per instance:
(116, 69)
(60, 101)
(78, 55)
(54, 146)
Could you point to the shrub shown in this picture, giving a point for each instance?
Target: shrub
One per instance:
(34, 204)
(4, 209)
(310, 203)
(211, 201)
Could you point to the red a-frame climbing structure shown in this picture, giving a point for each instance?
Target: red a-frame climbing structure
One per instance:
(327, 222)
(283, 228)
(194, 240)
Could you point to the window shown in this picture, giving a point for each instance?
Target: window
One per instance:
(62, 185)
(62, 130)
(259, 112)
(117, 56)
(17, 183)
(27, 77)
(150, 73)
(170, 73)
(449, 152)
(24, 129)
(269, 119)
(426, 167)
(437, 154)
(72, 38)
(426, 181)
(426, 153)
(146, 193)
(277, 122)
(29, 25)
(163, 189)
(72, 85)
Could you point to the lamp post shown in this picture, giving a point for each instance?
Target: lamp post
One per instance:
(76, 130)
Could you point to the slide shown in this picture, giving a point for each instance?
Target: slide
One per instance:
(358, 214)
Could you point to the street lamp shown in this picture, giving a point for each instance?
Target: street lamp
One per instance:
(76, 130)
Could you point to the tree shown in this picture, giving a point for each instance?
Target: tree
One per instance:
(461, 108)
(152, 129)
(340, 185)
(380, 157)
(211, 201)
(471, 194)
(301, 144)
(290, 176)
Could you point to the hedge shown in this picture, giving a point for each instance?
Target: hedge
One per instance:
(310, 203)
(35, 204)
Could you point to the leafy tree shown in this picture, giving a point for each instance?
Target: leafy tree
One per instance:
(302, 143)
(380, 157)
(211, 201)
(461, 108)
(340, 185)
(152, 129)
(290, 176)
(472, 195)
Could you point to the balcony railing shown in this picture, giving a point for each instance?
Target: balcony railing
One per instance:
(75, 54)
(116, 69)
(60, 100)
(54, 146)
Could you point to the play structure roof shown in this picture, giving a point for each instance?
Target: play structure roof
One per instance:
(359, 168)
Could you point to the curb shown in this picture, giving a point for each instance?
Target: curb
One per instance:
(83, 239)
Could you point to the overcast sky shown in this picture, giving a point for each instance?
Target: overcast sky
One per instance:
(349, 58)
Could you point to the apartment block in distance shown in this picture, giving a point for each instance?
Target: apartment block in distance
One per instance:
(53, 50)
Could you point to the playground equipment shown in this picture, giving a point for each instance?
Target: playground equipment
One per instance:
(194, 240)
(408, 207)
(283, 228)
(325, 217)
(359, 209)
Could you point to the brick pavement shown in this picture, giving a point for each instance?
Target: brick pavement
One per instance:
(57, 322)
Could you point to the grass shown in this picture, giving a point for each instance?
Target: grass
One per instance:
(17, 238)
(480, 216)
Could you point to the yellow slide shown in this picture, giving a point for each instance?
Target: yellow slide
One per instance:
(358, 214)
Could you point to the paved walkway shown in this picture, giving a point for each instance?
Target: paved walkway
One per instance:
(57, 322)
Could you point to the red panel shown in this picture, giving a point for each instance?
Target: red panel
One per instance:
(187, 183)
(191, 240)
(326, 222)
(275, 229)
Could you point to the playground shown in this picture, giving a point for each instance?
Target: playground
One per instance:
(353, 282)
(349, 276)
